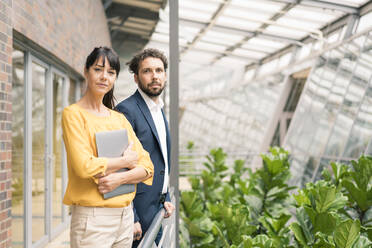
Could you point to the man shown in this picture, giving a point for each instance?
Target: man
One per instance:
(144, 111)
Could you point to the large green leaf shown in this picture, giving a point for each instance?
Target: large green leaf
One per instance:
(325, 223)
(299, 234)
(255, 204)
(362, 172)
(362, 242)
(246, 243)
(279, 223)
(346, 233)
(302, 198)
(306, 224)
(327, 198)
(217, 231)
(339, 171)
(323, 241)
(262, 241)
(367, 218)
(358, 195)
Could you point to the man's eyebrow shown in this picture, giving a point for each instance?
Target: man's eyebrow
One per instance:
(100, 65)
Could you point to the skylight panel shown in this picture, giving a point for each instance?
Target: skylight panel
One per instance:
(289, 32)
(218, 41)
(162, 27)
(323, 15)
(223, 36)
(232, 62)
(365, 22)
(351, 3)
(207, 6)
(188, 33)
(190, 14)
(265, 49)
(260, 5)
(249, 53)
(160, 37)
(199, 57)
(237, 23)
(247, 13)
(305, 24)
(210, 47)
(266, 43)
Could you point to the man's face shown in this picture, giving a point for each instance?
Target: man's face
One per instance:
(151, 76)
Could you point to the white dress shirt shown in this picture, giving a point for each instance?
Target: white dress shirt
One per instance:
(157, 116)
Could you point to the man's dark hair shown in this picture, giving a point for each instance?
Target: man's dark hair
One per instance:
(149, 52)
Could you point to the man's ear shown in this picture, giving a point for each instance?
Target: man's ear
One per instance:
(135, 78)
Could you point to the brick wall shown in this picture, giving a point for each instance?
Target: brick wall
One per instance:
(5, 120)
(69, 29)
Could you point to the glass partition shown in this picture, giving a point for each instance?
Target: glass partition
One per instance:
(57, 150)
(17, 148)
(38, 151)
(333, 121)
(41, 188)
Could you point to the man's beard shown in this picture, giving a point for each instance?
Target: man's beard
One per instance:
(148, 91)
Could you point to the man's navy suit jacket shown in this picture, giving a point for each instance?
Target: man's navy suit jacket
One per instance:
(146, 202)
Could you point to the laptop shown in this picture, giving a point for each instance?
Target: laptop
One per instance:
(112, 144)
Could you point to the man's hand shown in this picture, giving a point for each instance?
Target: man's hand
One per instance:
(130, 156)
(137, 231)
(109, 183)
(169, 208)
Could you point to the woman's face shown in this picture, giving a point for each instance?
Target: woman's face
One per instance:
(100, 78)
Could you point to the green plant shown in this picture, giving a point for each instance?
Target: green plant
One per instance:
(241, 208)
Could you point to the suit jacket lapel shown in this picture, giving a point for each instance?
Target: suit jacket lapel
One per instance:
(146, 112)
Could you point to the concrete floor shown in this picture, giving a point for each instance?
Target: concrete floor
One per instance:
(62, 241)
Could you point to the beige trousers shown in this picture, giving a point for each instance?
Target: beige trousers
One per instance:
(101, 227)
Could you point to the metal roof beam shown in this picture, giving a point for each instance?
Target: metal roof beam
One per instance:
(365, 9)
(214, 52)
(263, 26)
(207, 26)
(322, 4)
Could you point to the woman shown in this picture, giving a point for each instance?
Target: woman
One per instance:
(96, 222)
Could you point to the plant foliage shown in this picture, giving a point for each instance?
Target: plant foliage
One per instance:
(241, 208)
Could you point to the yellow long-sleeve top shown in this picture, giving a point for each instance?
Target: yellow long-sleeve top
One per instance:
(79, 127)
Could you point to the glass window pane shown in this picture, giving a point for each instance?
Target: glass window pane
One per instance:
(38, 147)
(72, 92)
(17, 147)
(57, 150)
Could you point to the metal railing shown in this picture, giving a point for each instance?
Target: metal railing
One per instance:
(148, 240)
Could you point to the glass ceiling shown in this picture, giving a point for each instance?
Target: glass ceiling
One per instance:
(221, 41)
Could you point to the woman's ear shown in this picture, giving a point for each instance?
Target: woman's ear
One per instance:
(85, 72)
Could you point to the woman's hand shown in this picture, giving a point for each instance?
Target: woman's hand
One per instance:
(130, 157)
(129, 160)
(110, 182)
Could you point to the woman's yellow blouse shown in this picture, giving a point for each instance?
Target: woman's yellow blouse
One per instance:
(79, 127)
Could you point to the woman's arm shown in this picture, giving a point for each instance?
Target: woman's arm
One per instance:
(81, 154)
(142, 170)
(112, 181)
(128, 160)
(78, 146)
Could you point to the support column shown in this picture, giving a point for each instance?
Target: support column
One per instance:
(174, 103)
